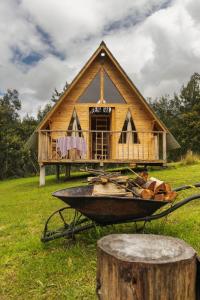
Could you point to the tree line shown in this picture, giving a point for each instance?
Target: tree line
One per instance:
(16, 160)
(180, 113)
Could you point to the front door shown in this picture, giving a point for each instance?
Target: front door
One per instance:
(100, 126)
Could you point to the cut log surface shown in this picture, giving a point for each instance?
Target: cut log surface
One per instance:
(159, 186)
(145, 267)
(144, 193)
(150, 184)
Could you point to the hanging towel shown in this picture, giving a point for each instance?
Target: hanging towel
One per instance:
(64, 144)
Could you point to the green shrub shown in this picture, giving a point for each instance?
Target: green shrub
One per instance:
(190, 158)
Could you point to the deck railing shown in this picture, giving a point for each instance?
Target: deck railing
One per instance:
(95, 145)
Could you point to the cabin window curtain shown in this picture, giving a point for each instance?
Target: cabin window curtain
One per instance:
(129, 133)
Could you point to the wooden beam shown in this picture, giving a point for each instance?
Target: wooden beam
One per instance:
(164, 147)
(101, 85)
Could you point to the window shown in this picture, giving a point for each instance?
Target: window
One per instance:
(129, 133)
(92, 92)
(111, 93)
(101, 90)
(74, 125)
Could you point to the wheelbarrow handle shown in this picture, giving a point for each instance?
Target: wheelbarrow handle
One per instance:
(169, 210)
(186, 187)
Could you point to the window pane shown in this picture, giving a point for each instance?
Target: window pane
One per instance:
(111, 93)
(128, 126)
(92, 92)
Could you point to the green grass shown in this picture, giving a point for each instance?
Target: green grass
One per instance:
(60, 270)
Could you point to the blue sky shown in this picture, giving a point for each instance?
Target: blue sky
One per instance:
(45, 43)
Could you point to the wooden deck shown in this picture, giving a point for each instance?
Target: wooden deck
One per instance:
(110, 161)
(123, 147)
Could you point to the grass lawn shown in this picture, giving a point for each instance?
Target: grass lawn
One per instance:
(60, 270)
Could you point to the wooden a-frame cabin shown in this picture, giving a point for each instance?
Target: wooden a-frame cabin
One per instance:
(102, 118)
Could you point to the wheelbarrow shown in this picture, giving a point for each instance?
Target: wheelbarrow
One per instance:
(91, 211)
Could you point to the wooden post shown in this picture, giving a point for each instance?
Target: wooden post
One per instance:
(67, 170)
(164, 147)
(57, 172)
(145, 267)
(42, 175)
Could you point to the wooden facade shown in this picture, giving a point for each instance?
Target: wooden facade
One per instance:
(105, 114)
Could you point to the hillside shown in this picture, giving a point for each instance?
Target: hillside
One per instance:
(59, 270)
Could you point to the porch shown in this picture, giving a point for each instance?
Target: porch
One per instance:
(101, 146)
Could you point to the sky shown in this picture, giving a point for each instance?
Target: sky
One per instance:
(45, 43)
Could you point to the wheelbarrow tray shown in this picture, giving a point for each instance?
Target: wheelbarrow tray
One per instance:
(107, 210)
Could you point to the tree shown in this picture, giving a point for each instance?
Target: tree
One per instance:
(181, 114)
(11, 144)
(188, 127)
(56, 95)
(27, 126)
(42, 112)
(167, 109)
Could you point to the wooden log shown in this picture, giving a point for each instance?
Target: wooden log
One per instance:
(159, 197)
(145, 267)
(170, 196)
(139, 181)
(120, 179)
(110, 189)
(144, 175)
(104, 179)
(150, 184)
(168, 187)
(144, 193)
(159, 186)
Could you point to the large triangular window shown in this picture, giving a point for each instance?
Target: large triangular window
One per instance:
(92, 92)
(74, 128)
(101, 90)
(129, 134)
(111, 93)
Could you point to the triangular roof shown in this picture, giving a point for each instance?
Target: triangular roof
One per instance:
(103, 47)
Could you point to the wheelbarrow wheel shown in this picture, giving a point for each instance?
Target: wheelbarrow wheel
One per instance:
(69, 229)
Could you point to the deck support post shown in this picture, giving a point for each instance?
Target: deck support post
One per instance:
(164, 147)
(57, 172)
(67, 170)
(42, 175)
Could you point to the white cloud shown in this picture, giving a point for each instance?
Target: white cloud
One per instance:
(157, 43)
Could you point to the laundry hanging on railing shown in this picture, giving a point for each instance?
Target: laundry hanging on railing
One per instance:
(67, 143)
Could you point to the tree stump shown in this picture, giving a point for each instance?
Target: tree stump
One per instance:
(145, 267)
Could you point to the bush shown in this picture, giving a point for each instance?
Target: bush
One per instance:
(190, 158)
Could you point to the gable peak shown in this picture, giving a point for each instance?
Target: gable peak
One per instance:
(102, 44)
